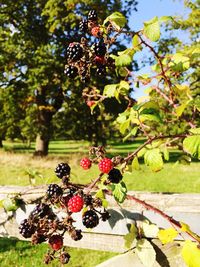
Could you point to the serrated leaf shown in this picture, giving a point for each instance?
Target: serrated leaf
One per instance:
(142, 152)
(109, 90)
(149, 114)
(153, 159)
(180, 62)
(191, 254)
(191, 145)
(124, 84)
(130, 237)
(119, 192)
(152, 29)
(123, 60)
(117, 19)
(167, 235)
(149, 229)
(9, 204)
(145, 252)
(149, 105)
(135, 164)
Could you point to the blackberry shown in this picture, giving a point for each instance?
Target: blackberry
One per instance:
(71, 71)
(115, 176)
(105, 216)
(54, 190)
(92, 15)
(74, 51)
(76, 234)
(90, 219)
(41, 210)
(62, 170)
(101, 71)
(83, 26)
(88, 200)
(26, 229)
(100, 49)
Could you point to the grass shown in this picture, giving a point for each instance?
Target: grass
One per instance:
(172, 178)
(22, 254)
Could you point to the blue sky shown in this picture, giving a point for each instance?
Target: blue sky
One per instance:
(147, 9)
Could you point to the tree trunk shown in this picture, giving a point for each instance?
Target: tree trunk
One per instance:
(41, 146)
(1, 143)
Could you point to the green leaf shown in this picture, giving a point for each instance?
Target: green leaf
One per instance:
(135, 164)
(152, 29)
(191, 145)
(119, 191)
(149, 114)
(133, 132)
(109, 90)
(136, 43)
(124, 126)
(149, 229)
(191, 254)
(145, 252)
(195, 130)
(180, 62)
(123, 60)
(130, 237)
(116, 19)
(165, 18)
(167, 235)
(153, 159)
(180, 109)
(10, 204)
(165, 153)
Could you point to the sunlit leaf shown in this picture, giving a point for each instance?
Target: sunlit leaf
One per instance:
(167, 235)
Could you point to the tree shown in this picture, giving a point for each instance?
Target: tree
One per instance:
(36, 35)
(144, 117)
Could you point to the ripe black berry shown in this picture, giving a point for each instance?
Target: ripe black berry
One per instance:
(115, 176)
(92, 15)
(90, 219)
(83, 26)
(41, 210)
(105, 216)
(101, 71)
(71, 71)
(54, 190)
(88, 200)
(62, 170)
(26, 229)
(100, 49)
(74, 51)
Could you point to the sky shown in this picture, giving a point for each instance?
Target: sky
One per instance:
(147, 9)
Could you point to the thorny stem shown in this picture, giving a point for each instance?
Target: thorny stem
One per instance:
(163, 214)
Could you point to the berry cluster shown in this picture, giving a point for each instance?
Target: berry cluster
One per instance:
(45, 225)
(85, 57)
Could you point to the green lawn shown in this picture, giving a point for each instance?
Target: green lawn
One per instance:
(172, 178)
(22, 254)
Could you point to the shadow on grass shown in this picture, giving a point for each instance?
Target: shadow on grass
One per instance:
(7, 244)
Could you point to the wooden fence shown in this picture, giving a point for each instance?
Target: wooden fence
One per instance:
(108, 236)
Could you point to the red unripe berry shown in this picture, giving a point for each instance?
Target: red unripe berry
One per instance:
(105, 165)
(56, 242)
(90, 103)
(100, 60)
(85, 163)
(75, 204)
(95, 31)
